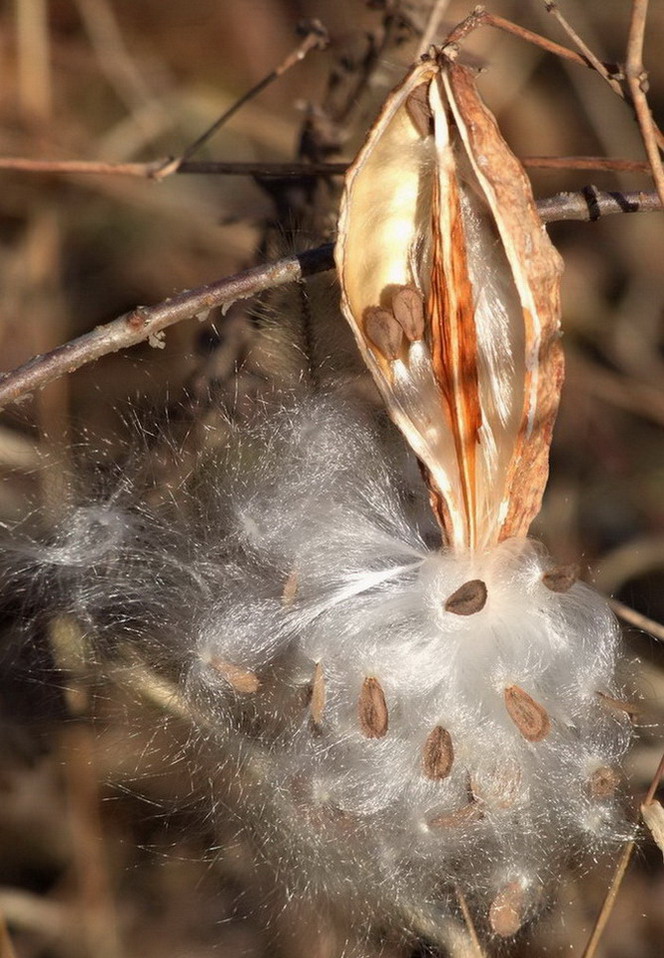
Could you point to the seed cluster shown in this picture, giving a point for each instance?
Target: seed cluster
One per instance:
(404, 721)
(461, 727)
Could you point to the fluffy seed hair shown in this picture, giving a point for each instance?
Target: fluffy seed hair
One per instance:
(404, 721)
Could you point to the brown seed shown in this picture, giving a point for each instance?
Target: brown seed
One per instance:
(561, 578)
(384, 331)
(242, 680)
(372, 709)
(618, 705)
(466, 815)
(603, 782)
(438, 754)
(408, 309)
(317, 700)
(507, 910)
(531, 718)
(419, 109)
(468, 598)
(289, 591)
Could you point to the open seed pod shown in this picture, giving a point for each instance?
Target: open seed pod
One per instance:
(451, 286)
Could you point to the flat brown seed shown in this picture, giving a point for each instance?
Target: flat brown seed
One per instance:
(468, 598)
(289, 591)
(531, 718)
(507, 910)
(438, 754)
(384, 331)
(561, 578)
(372, 709)
(408, 309)
(419, 109)
(603, 782)
(317, 700)
(242, 680)
(466, 815)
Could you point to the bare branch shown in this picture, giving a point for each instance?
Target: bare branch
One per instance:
(584, 49)
(637, 80)
(631, 616)
(480, 17)
(591, 204)
(145, 322)
(315, 39)
(154, 169)
(158, 169)
(607, 906)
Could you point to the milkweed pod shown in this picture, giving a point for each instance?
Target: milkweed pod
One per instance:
(437, 211)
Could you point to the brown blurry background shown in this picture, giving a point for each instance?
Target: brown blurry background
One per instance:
(107, 846)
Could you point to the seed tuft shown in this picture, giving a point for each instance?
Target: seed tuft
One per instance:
(507, 910)
(604, 782)
(372, 709)
(561, 578)
(531, 718)
(384, 331)
(466, 815)
(242, 680)
(408, 309)
(438, 754)
(468, 598)
(317, 700)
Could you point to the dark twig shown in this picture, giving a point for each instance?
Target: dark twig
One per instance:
(146, 322)
(637, 80)
(315, 39)
(154, 169)
(584, 49)
(480, 17)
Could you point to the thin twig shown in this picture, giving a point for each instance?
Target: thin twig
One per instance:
(433, 25)
(609, 901)
(654, 785)
(627, 614)
(619, 873)
(585, 163)
(315, 39)
(470, 924)
(154, 169)
(115, 61)
(146, 322)
(637, 80)
(480, 17)
(584, 49)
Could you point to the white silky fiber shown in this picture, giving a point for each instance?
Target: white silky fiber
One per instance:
(404, 722)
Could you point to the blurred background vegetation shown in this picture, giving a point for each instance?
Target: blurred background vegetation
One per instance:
(108, 845)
